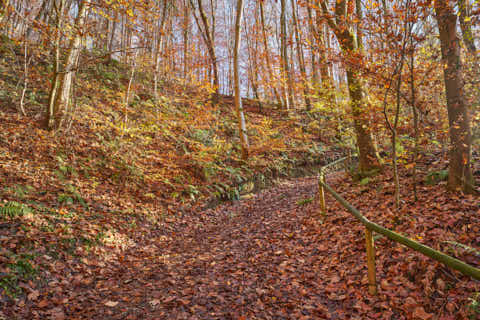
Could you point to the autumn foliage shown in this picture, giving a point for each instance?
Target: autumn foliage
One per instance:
(144, 147)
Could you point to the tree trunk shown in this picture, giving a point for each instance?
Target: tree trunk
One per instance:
(368, 158)
(327, 83)
(112, 36)
(459, 173)
(43, 8)
(186, 31)
(359, 13)
(207, 37)
(267, 54)
(4, 10)
(62, 95)
(50, 120)
(285, 63)
(253, 67)
(158, 48)
(236, 70)
(367, 154)
(313, 46)
(415, 118)
(301, 58)
(466, 26)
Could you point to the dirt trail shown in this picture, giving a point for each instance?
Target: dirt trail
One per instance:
(267, 257)
(257, 258)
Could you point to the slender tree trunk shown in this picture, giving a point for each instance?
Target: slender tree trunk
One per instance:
(359, 13)
(26, 62)
(207, 37)
(321, 35)
(393, 128)
(415, 118)
(313, 47)
(158, 48)
(123, 42)
(112, 36)
(186, 31)
(459, 173)
(50, 120)
(256, 63)
(242, 129)
(45, 16)
(267, 54)
(285, 63)
(126, 101)
(301, 58)
(4, 11)
(252, 67)
(466, 26)
(62, 96)
(43, 8)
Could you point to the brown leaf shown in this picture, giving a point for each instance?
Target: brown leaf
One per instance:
(57, 313)
(43, 303)
(450, 307)
(33, 295)
(169, 299)
(440, 284)
(111, 303)
(410, 302)
(419, 313)
(154, 302)
(384, 284)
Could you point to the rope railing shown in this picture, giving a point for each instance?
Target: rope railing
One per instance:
(371, 227)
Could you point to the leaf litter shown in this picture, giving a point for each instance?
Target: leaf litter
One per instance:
(275, 259)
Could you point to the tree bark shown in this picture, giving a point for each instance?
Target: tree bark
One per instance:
(207, 37)
(313, 47)
(236, 70)
(4, 10)
(321, 34)
(186, 31)
(368, 158)
(158, 47)
(301, 58)
(62, 95)
(459, 173)
(466, 26)
(111, 41)
(267, 54)
(51, 112)
(253, 69)
(284, 53)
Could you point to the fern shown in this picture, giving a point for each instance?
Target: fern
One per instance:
(302, 202)
(13, 209)
(435, 177)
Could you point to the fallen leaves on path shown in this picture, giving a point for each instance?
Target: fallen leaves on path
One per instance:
(268, 257)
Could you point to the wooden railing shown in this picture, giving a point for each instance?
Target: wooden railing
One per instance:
(371, 227)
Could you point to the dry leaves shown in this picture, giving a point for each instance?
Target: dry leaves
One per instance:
(111, 303)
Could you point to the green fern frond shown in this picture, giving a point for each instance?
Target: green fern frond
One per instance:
(13, 209)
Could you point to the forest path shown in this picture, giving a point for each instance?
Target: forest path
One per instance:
(267, 257)
(272, 256)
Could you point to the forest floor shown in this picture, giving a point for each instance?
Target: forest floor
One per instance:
(272, 256)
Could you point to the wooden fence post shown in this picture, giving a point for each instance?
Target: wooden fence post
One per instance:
(372, 283)
(321, 193)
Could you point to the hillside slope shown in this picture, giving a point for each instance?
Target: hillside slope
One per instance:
(113, 167)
